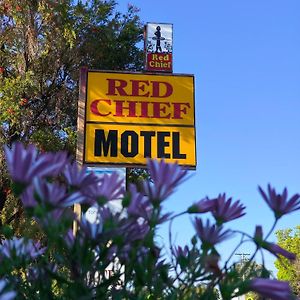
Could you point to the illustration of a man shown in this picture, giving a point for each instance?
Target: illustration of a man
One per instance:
(158, 38)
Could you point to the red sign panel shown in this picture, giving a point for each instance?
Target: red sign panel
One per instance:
(159, 62)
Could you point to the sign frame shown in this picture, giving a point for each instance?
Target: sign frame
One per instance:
(82, 118)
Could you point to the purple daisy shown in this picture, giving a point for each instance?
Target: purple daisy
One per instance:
(132, 230)
(224, 210)
(209, 234)
(110, 187)
(271, 247)
(55, 194)
(34, 273)
(69, 238)
(27, 197)
(91, 230)
(273, 289)
(24, 164)
(18, 247)
(4, 293)
(58, 162)
(166, 177)
(202, 206)
(141, 207)
(279, 203)
(181, 252)
(79, 177)
(277, 250)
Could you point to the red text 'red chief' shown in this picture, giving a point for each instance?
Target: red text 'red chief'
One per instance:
(155, 106)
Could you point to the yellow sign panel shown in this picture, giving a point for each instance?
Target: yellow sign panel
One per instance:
(139, 98)
(131, 116)
(131, 144)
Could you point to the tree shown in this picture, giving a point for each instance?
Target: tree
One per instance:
(42, 45)
(289, 239)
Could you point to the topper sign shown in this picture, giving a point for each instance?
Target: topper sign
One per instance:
(130, 117)
(159, 47)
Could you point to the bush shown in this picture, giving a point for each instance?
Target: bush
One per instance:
(116, 257)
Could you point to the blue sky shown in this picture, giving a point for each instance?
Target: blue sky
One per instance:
(245, 56)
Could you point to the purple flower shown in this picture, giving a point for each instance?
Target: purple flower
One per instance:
(4, 294)
(27, 197)
(24, 164)
(72, 199)
(141, 254)
(79, 177)
(134, 230)
(165, 178)
(52, 197)
(181, 252)
(258, 234)
(202, 206)
(277, 250)
(35, 273)
(55, 195)
(51, 193)
(124, 230)
(271, 247)
(210, 234)
(69, 238)
(20, 248)
(110, 187)
(273, 289)
(279, 203)
(91, 230)
(224, 211)
(141, 207)
(58, 162)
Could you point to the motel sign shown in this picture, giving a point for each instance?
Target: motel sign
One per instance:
(129, 117)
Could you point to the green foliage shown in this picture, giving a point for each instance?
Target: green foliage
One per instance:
(252, 296)
(47, 140)
(289, 239)
(43, 43)
(193, 292)
(136, 175)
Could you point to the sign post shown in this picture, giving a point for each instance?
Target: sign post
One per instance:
(80, 127)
